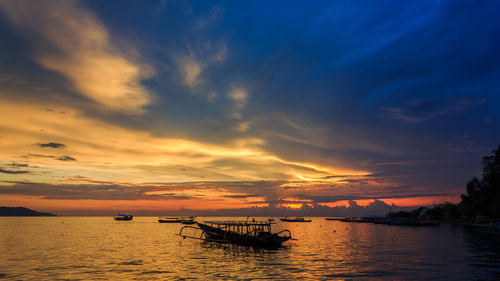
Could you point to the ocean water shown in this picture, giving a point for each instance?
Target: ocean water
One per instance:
(99, 248)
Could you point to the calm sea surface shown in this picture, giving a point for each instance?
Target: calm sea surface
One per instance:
(83, 248)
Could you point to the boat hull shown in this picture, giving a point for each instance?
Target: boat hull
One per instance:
(129, 218)
(168, 221)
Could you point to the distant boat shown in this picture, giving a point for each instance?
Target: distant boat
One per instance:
(296, 219)
(170, 220)
(333, 219)
(122, 217)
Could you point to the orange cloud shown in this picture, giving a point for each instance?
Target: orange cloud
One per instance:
(70, 40)
(108, 152)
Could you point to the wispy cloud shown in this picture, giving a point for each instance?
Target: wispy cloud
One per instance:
(52, 145)
(69, 39)
(239, 97)
(13, 79)
(13, 172)
(191, 67)
(211, 17)
(190, 70)
(104, 150)
(66, 158)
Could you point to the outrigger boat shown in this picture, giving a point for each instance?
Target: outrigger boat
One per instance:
(297, 219)
(122, 217)
(245, 233)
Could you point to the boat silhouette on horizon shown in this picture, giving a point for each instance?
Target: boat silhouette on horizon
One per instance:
(296, 219)
(122, 217)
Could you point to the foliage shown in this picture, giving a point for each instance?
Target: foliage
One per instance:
(411, 214)
(444, 211)
(483, 195)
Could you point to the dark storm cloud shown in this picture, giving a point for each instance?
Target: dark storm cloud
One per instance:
(52, 145)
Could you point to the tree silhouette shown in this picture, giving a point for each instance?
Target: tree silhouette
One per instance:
(483, 195)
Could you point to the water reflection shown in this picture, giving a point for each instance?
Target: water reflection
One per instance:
(100, 248)
(483, 250)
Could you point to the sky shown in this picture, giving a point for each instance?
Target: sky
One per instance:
(156, 107)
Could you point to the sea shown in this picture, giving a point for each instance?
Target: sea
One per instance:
(99, 248)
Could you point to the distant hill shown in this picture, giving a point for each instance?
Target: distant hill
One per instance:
(22, 212)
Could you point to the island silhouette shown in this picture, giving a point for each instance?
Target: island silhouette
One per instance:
(22, 212)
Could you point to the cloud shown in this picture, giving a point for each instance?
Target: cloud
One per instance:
(17, 165)
(239, 97)
(13, 172)
(78, 191)
(331, 199)
(38, 156)
(374, 208)
(417, 112)
(52, 144)
(211, 17)
(192, 66)
(106, 151)
(190, 70)
(69, 39)
(66, 158)
(13, 79)
(242, 196)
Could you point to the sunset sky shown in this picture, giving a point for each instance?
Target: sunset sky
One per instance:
(203, 105)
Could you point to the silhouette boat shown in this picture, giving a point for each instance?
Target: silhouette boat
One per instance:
(244, 233)
(296, 219)
(169, 220)
(188, 220)
(122, 217)
(183, 220)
